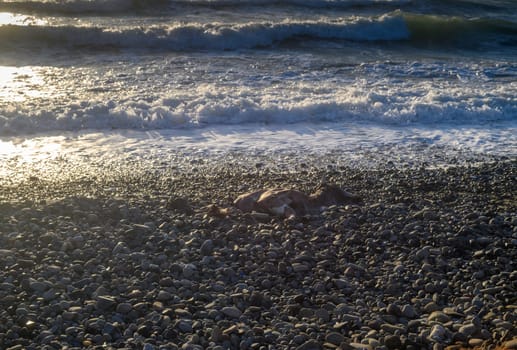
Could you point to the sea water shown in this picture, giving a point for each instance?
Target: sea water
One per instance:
(357, 77)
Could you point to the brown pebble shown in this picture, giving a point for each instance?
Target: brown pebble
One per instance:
(511, 344)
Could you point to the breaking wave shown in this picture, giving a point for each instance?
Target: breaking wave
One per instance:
(221, 108)
(111, 7)
(418, 30)
(218, 36)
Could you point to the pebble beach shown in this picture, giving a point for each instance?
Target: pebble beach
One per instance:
(135, 259)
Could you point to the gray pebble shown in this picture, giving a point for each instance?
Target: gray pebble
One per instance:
(334, 338)
(124, 308)
(231, 311)
(207, 247)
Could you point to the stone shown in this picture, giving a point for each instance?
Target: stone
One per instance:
(408, 311)
(341, 283)
(437, 333)
(189, 270)
(475, 342)
(300, 267)
(105, 303)
(306, 312)
(393, 342)
(394, 310)
(438, 316)
(120, 248)
(467, 330)
(207, 247)
(38, 286)
(322, 314)
(69, 316)
(334, 338)
(359, 346)
(423, 253)
(310, 345)
(163, 296)
(510, 344)
(124, 308)
(231, 311)
(179, 204)
(430, 307)
(185, 326)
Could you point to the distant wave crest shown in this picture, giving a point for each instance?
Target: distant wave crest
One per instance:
(458, 31)
(211, 36)
(418, 30)
(111, 7)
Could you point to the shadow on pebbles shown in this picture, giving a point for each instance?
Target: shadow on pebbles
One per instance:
(427, 262)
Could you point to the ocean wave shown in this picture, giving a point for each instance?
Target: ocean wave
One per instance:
(224, 108)
(413, 29)
(82, 7)
(218, 36)
(111, 7)
(431, 30)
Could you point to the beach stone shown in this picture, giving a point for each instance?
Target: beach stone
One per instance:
(300, 267)
(306, 312)
(189, 270)
(216, 334)
(5, 253)
(510, 344)
(185, 326)
(438, 316)
(423, 253)
(263, 217)
(391, 328)
(207, 247)
(334, 338)
(399, 269)
(49, 294)
(231, 311)
(354, 319)
(437, 333)
(467, 330)
(164, 296)
(430, 307)
(393, 342)
(120, 248)
(38, 286)
(322, 314)
(179, 204)
(77, 241)
(148, 346)
(393, 309)
(475, 342)
(408, 311)
(300, 339)
(310, 345)
(359, 346)
(69, 316)
(453, 312)
(341, 283)
(124, 308)
(104, 303)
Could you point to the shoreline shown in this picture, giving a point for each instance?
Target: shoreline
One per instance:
(132, 259)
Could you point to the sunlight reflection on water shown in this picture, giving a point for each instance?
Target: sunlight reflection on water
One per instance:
(20, 83)
(7, 18)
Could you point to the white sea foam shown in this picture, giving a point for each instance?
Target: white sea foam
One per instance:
(388, 101)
